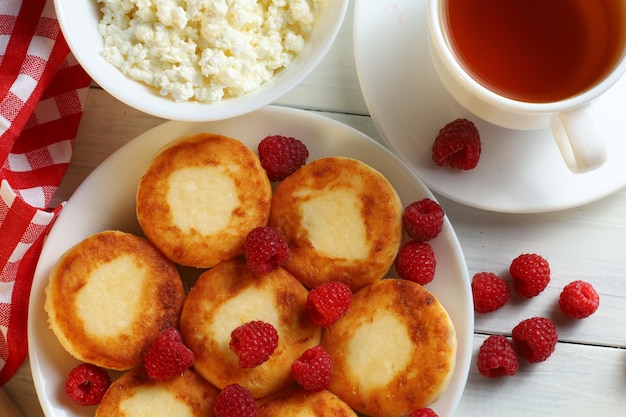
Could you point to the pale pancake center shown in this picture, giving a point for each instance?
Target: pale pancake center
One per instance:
(249, 304)
(334, 219)
(202, 199)
(108, 302)
(154, 402)
(379, 350)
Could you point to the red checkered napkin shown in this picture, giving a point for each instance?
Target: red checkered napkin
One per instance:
(42, 96)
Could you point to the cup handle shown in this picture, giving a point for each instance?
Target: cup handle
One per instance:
(580, 141)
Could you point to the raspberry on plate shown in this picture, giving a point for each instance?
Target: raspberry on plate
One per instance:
(314, 369)
(489, 291)
(535, 339)
(328, 302)
(457, 145)
(423, 220)
(423, 412)
(416, 262)
(281, 156)
(86, 384)
(497, 357)
(578, 300)
(234, 401)
(253, 343)
(531, 274)
(167, 357)
(265, 249)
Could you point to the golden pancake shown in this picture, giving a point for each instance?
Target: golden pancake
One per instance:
(229, 295)
(200, 197)
(134, 394)
(342, 221)
(109, 296)
(394, 351)
(296, 402)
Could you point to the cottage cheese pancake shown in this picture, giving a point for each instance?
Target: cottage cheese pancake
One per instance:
(110, 296)
(230, 295)
(135, 394)
(342, 221)
(201, 196)
(394, 351)
(296, 402)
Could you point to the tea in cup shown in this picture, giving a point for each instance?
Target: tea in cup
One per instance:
(533, 64)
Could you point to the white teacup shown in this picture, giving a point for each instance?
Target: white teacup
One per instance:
(571, 119)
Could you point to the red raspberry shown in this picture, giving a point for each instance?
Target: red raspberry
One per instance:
(457, 145)
(314, 370)
(167, 357)
(423, 220)
(234, 401)
(531, 274)
(489, 291)
(416, 262)
(423, 412)
(579, 300)
(497, 357)
(86, 384)
(535, 339)
(253, 343)
(281, 156)
(328, 302)
(265, 249)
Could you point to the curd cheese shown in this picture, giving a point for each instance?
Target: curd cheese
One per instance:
(204, 50)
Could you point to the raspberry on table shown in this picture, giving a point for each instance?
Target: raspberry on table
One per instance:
(423, 412)
(314, 369)
(253, 343)
(535, 339)
(578, 300)
(281, 156)
(265, 249)
(416, 262)
(328, 302)
(457, 145)
(497, 357)
(531, 274)
(423, 219)
(489, 291)
(86, 384)
(167, 357)
(234, 401)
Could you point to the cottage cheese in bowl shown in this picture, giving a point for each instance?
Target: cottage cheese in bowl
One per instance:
(205, 49)
(199, 60)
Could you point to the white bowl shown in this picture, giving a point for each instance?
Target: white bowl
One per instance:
(79, 24)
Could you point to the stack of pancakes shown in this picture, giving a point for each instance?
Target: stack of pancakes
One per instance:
(110, 295)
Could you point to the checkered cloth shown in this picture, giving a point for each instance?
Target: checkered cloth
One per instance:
(42, 96)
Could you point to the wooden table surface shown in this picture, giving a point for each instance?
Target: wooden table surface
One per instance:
(585, 376)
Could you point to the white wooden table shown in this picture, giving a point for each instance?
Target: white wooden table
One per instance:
(587, 373)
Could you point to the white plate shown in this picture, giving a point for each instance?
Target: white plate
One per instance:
(519, 172)
(106, 200)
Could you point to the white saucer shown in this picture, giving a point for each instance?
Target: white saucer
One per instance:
(519, 172)
(106, 200)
